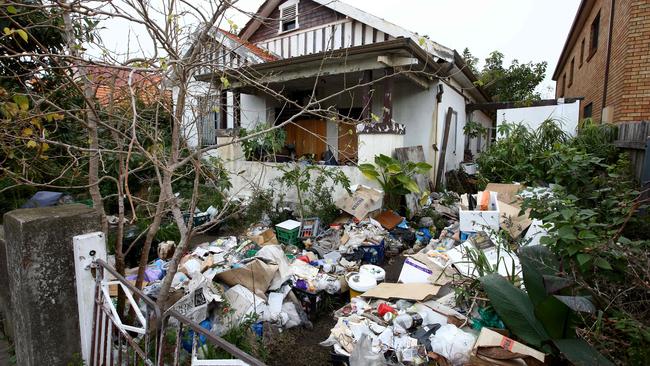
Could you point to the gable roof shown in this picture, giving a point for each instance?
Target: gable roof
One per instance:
(259, 52)
(350, 11)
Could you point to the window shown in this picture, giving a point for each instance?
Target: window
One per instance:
(288, 16)
(563, 85)
(593, 37)
(582, 52)
(573, 64)
(587, 111)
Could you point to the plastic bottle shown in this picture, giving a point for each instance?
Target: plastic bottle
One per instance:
(408, 321)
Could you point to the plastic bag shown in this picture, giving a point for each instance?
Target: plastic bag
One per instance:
(362, 355)
(453, 344)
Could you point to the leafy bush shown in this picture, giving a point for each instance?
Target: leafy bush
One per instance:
(320, 202)
(298, 176)
(263, 145)
(396, 178)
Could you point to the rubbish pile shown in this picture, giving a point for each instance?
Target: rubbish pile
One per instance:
(279, 276)
(417, 321)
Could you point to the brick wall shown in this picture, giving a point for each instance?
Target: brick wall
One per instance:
(635, 100)
(628, 91)
(310, 14)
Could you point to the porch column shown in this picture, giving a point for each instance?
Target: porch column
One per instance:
(366, 94)
(236, 108)
(223, 110)
(388, 96)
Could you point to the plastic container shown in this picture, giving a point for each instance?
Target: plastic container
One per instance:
(373, 254)
(377, 272)
(360, 283)
(310, 228)
(287, 232)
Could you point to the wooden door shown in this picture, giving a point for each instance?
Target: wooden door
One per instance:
(348, 143)
(308, 137)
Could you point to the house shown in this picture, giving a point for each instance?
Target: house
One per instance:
(377, 85)
(605, 60)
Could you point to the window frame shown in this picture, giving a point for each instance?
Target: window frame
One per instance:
(571, 70)
(590, 106)
(594, 32)
(281, 21)
(582, 53)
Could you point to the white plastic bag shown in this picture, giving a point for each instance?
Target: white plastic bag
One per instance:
(453, 344)
(362, 355)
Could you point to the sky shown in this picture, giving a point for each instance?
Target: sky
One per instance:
(526, 30)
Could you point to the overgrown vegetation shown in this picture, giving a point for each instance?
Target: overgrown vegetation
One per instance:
(264, 146)
(596, 238)
(396, 178)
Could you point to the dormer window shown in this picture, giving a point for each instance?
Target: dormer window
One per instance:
(288, 16)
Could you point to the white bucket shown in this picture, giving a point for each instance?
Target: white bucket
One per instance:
(377, 272)
(360, 283)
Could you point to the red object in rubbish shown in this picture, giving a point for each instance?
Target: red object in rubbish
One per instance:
(384, 308)
(304, 258)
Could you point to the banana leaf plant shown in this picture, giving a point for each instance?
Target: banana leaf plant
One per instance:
(544, 315)
(395, 178)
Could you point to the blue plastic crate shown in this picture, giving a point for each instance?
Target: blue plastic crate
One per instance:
(373, 254)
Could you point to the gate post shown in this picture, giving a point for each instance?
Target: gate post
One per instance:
(41, 271)
(87, 248)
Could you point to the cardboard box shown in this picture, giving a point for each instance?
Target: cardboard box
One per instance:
(255, 276)
(363, 201)
(419, 268)
(389, 219)
(507, 192)
(475, 221)
(265, 238)
(492, 348)
(511, 221)
(406, 291)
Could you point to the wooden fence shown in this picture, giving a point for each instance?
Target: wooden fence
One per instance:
(635, 138)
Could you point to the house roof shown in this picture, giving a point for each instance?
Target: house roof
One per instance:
(111, 84)
(578, 23)
(263, 54)
(438, 51)
(380, 24)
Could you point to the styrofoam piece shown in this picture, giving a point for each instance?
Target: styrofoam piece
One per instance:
(475, 221)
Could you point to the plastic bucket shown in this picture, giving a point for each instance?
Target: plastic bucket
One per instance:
(377, 272)
(360, 283)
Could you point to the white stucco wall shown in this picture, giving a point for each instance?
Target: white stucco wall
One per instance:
(480, 144)
(371, 145)
(456, 143)
(567, 114)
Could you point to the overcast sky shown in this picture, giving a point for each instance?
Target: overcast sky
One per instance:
(527, 30)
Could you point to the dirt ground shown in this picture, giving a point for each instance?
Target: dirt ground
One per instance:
(300, 346)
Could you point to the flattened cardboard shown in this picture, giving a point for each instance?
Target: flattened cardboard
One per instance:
(389, 219)
(363, 201)
(511, 221)
(255, 276)
(507, 192)
(406, 291)
(490, 339)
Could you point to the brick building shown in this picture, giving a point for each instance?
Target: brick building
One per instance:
(606, 60)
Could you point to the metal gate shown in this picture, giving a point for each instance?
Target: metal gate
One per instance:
(145, 340)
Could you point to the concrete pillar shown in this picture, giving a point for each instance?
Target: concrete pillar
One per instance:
(41, 271)
(5, 302)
